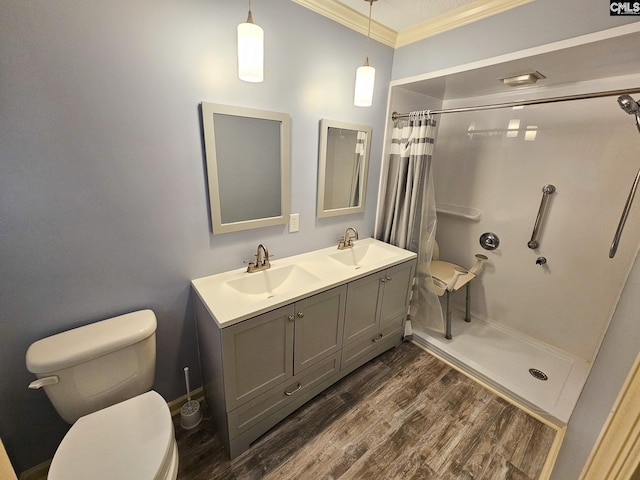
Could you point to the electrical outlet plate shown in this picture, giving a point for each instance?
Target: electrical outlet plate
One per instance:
(294, 222)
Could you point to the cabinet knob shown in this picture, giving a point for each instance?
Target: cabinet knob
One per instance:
(300, 314)
(388, 278)
(378, 338)
(291, 318)
(383, 279)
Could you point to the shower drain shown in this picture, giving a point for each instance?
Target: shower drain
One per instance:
(538, 374)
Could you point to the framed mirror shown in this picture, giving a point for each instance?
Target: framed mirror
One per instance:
(343, 164)
(248, 166)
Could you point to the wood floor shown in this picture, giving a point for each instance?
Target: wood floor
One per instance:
(404, 415)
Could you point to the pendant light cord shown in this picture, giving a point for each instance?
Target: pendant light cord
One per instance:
(366, 62)
(249, 16)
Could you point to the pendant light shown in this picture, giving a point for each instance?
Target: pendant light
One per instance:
(365, 75)
(250, 50)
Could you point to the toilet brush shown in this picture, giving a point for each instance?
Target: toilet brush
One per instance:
(190, 414)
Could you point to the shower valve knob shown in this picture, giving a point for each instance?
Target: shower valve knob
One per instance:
(541, 261)
(489, 241)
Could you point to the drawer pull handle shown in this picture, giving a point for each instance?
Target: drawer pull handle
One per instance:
(291, 318)
(378, 338)
(300, 315)
(288, 394)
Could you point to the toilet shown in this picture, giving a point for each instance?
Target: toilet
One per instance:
(98, 377)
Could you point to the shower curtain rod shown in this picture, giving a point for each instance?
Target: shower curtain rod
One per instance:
(584, 96)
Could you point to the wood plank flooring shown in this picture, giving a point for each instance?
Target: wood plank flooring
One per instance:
(404, 415)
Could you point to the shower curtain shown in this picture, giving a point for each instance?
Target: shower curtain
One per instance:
(407, 217)
(361, 138)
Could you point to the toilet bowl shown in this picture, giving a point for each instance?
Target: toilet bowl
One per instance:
(98, 377)
(132, 440)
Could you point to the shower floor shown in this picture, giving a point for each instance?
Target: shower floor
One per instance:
(502, 359)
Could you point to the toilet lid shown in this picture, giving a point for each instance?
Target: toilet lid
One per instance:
(130, 440)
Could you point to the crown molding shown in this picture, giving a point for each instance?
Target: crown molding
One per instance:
(350, 18)
(354, 20)
(456, 18)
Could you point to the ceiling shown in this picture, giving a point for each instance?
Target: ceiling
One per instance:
(400, 22)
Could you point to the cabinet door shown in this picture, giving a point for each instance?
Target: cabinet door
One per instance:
(319, 324)
(258, 354)
(363, 301)
(395, 294)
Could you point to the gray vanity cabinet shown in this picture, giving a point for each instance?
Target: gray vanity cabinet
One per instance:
(258, 354)
(258, 371)
(319, 326)
(362, 307)
(396, 288)
(376, 309)
(264, 351)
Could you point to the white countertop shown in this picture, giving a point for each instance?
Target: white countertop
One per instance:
(310, 273)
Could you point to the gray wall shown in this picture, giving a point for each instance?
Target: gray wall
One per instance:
(103, 206)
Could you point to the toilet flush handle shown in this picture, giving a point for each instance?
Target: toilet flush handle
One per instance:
(43, 382)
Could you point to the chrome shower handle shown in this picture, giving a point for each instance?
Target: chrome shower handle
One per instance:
(546, 191)
(623, 218)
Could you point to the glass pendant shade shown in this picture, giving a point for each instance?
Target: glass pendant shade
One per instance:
(250, 52)
(365, 78)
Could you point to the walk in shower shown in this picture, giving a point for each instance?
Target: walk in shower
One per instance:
(539, 311)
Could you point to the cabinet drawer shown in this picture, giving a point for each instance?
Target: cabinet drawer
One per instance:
(251, 413)
(368, 348)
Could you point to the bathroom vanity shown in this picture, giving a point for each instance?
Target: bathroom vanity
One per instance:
(271, 340)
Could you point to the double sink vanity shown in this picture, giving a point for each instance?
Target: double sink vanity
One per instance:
(272, 338)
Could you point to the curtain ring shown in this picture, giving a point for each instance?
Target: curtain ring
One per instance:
(424, 115)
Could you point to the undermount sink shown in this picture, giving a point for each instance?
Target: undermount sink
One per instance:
(271, 282)
(361, 255)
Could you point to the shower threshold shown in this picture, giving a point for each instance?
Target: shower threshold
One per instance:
(502, 360)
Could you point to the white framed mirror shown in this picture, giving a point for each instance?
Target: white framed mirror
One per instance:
(343, 163)
(248, 166)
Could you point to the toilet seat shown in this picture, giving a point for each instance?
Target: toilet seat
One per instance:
(133, 440)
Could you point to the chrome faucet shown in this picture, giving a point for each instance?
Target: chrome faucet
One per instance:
(261, 263)
(347, 241)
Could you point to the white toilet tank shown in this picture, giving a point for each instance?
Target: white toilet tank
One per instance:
(89, 368)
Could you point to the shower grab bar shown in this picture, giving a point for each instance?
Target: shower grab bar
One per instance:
(546, 191)
(623, 218)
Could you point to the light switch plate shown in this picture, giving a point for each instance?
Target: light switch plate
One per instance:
(294, 222)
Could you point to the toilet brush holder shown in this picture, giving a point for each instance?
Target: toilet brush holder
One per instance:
(190, 413)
